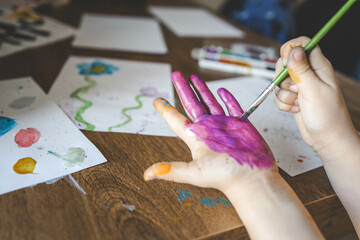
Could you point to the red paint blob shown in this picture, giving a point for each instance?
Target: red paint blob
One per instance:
(27, 137)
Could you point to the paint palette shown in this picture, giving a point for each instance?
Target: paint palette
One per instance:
(38, 142)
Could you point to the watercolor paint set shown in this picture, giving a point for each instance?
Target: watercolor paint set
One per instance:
(244, 59)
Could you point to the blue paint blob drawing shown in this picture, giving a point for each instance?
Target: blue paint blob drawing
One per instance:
(6, 125)
(183, 194)
(22, 102)
(214, 202)
(96, 68)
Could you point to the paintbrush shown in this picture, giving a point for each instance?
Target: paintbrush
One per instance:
(284, 73)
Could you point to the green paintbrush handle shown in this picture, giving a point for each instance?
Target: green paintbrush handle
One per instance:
(284, 73)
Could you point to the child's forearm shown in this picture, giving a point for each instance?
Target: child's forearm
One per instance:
(342, 164)
(270, 209)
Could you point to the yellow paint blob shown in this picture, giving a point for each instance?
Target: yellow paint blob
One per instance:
(24, 165)
(188, 204)
(295, 78)
(161, 168)
(98, 69)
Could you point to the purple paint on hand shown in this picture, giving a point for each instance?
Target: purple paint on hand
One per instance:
(206, 96)
(188, 98)
(238, 139)
(221, 133)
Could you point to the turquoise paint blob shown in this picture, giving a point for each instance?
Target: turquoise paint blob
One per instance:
(6, 125)
(183, 194)
(214, 202)
(22, 102)
(74, 156)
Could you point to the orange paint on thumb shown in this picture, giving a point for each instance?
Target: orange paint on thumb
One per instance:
(157, 169)
(293, 76)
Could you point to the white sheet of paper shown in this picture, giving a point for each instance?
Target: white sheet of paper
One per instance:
(22, 101)
(278, 128)
(121, 99)
(58, 31)
(194, 22)
(135, 34)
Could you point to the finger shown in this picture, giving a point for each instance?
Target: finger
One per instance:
(282, 106)
(319, 63)
(287, 82)
(187, 96)
(303, 75)
(177, 122)
(206, 96)
(286, 96)
(181, 172)
(231, 103)
(287, 47)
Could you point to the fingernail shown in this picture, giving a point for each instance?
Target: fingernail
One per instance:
(294, 88)
(157, 169)
(148, 176)
(298, 54)
(296, 102)
(284, 62)
(295, 109)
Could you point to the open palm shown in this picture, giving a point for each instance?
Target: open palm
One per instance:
(223, 147)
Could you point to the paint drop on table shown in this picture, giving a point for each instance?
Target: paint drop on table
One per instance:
(22, 102)
(24, 165)
(129, 207)
(6, 125)
(300, 160)
(27, 137)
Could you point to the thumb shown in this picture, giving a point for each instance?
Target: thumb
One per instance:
(301, 72)
(180, 172)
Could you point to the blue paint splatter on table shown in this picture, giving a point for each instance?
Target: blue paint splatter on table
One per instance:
(183, 194)
(214, 202)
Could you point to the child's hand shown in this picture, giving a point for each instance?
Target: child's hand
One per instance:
(225, 150)
(312, 94)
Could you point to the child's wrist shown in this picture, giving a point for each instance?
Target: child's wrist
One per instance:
(264, 178)
(342, 146)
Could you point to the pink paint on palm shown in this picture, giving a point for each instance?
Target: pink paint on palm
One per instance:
(27, 137)
(223, 134)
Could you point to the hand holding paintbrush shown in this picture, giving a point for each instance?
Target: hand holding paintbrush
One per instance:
(309, 46)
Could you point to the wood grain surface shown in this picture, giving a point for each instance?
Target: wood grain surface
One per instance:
(118, 203)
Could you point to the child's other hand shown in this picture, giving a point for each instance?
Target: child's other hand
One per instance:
(225, 150)
(312, 94)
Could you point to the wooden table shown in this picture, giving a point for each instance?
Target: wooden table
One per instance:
(61, 211)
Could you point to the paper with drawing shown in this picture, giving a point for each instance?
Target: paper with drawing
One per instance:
(278, 128)
(38, 142)
(25, 29)
(114, 95)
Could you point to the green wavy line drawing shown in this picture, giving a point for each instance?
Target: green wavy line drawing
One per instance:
(87, 103)
(124, 110)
